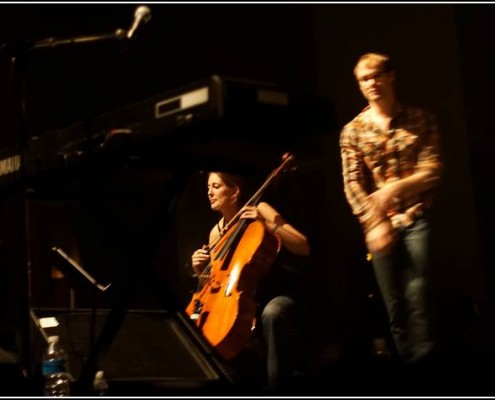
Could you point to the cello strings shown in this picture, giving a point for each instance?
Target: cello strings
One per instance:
(206, 273)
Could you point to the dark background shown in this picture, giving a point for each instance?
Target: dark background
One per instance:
(444, 59)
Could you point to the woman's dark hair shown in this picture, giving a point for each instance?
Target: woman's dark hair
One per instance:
(233, 180)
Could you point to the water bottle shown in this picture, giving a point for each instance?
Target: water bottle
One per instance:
(57, 379)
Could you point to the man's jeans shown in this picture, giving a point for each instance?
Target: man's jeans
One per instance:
(404, 279)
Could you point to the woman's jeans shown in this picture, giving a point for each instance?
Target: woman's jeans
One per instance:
(279, 331)
(404, 279)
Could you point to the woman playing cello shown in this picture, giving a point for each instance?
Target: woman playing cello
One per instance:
(276, 309)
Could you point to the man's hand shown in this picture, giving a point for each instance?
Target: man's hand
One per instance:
(385, 199)
(381, 238)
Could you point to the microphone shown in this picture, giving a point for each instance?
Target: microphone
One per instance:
(142, 13)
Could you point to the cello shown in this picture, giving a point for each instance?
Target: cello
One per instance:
(224, 308)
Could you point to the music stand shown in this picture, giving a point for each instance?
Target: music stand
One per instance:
(131, 281)
(76, 267)
(76, 272)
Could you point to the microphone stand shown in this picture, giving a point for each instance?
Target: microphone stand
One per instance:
(19, 55)
(17, 48)
(54, 42)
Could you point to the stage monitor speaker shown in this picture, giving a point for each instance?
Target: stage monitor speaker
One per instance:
(152, 353)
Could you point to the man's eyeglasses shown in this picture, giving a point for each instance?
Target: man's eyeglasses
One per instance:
(376, 76)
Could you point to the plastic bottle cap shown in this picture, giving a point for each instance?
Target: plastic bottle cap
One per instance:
(53, 339)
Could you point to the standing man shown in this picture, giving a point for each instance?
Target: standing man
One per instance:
(391, 164)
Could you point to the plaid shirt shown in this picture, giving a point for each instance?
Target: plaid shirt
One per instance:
(372, 158)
